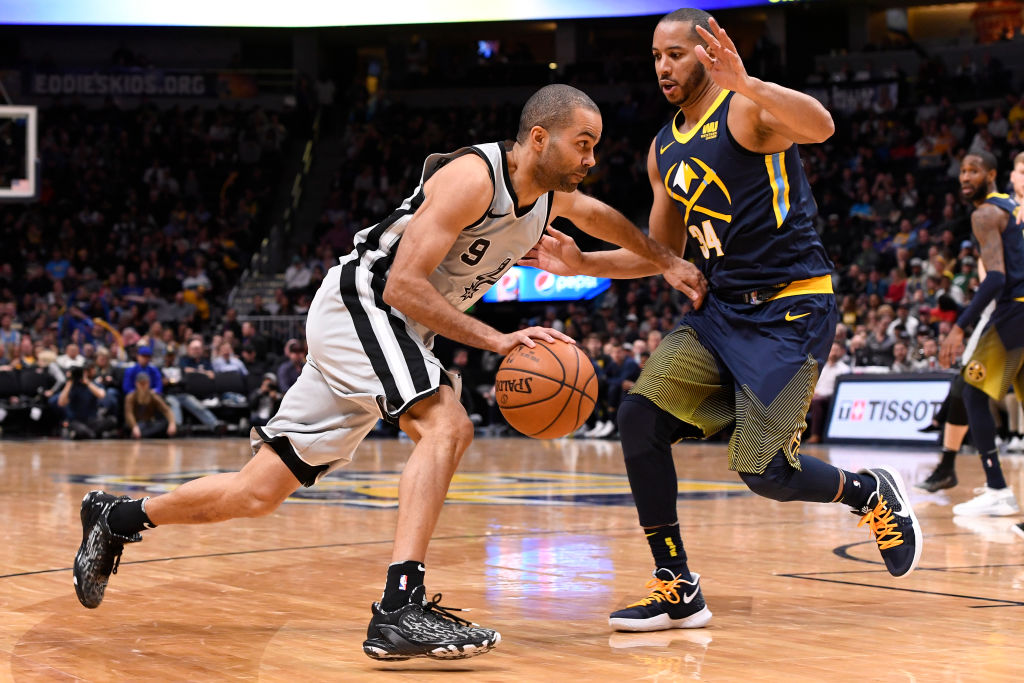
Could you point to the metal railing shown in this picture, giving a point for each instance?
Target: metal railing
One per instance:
(277, 327)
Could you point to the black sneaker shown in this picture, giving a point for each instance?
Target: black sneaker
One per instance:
(892, 522)
(425, 629)
(930, 427)
(937, 481)
(100, 552)
(665, 607)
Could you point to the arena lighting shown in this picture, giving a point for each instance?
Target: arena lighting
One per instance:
(305, 13)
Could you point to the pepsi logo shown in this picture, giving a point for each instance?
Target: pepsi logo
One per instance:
(543, 281)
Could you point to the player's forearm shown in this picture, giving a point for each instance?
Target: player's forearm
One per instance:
(797, 111)
(418, 300)
(618, 264)
(610, 225)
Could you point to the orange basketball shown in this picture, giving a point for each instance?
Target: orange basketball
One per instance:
(547, 391)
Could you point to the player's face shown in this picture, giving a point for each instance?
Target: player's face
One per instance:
(680, 74)
(975, 179)
(1017, 178)
(569, 153)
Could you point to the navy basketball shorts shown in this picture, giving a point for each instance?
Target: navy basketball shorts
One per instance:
(754, 365)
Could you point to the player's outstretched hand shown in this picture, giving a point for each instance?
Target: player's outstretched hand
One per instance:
(509, 341)
(688, 279)
(725, 68)
(556, 253)
(952, 347)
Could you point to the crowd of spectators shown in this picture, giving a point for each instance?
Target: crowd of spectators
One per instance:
(144, 219)
(145, 216)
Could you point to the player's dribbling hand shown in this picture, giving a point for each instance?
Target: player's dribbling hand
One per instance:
(725, 68)
(688, 279)
(952, 347)
(526, 336)
(556, 253)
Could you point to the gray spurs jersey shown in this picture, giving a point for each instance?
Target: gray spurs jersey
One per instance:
(479, 257)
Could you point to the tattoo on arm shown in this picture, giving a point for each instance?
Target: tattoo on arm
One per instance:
(988, 223)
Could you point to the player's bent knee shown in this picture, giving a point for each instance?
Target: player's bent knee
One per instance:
(638, 420)
(769, 485)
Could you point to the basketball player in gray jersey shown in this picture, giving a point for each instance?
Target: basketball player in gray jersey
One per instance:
(370, 331)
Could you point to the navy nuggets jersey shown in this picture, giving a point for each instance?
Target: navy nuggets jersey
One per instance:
(1013, 247)
(750, 215)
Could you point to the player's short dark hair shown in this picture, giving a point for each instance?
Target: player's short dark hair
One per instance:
(696, 17)
(551, 108)
(988, 160)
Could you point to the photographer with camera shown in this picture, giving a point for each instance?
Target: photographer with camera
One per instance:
(264, 400)
(80, 400)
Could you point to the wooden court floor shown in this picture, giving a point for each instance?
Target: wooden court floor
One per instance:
(539, 538)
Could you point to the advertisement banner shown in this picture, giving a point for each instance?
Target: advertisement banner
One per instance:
(530, 284)
(120, 82)
(886, 407)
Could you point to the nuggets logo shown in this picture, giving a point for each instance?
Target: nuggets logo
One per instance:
(976, 371)
(687, 182)
(380, 489)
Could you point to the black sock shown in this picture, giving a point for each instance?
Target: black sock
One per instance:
(993, 472)
(857, 488)
(667, 549)
(129, 518)
(948, 463)
(402, 578)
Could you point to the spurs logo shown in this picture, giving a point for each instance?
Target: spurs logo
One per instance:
(488, 279)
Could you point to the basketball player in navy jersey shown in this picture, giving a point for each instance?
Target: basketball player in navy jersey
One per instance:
(370, 331)
(727, 178)
(998, 360)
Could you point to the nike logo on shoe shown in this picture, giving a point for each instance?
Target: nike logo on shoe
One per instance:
(688, 597)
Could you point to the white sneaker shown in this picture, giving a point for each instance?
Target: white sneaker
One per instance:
(989, 502)
(606, 430)
(589, 433)
(1016, 445)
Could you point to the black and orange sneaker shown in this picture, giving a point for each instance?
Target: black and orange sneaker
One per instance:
(664, 607)
(101, 548)
(892, 522)
(425, 629)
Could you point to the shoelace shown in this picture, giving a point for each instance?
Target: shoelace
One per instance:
(663, 591)
(434, 607)
(882, 523)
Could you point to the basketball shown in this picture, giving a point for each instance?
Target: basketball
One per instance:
(547, 391)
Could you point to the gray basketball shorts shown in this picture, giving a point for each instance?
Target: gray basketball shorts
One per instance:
(365, 363)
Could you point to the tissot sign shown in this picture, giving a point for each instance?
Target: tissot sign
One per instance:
(886, 407)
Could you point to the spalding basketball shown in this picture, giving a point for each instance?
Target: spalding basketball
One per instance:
(547, 391)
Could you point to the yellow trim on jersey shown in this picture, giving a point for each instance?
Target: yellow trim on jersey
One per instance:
(1000, 195)
(777, 176)
(815, 285)
(1020, 299)
(685, 137)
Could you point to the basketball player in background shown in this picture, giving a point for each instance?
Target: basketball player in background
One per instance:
(998, 360)
(726, 172)
(370, 332)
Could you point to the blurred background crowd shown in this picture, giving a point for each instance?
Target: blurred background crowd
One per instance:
(123, 305)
